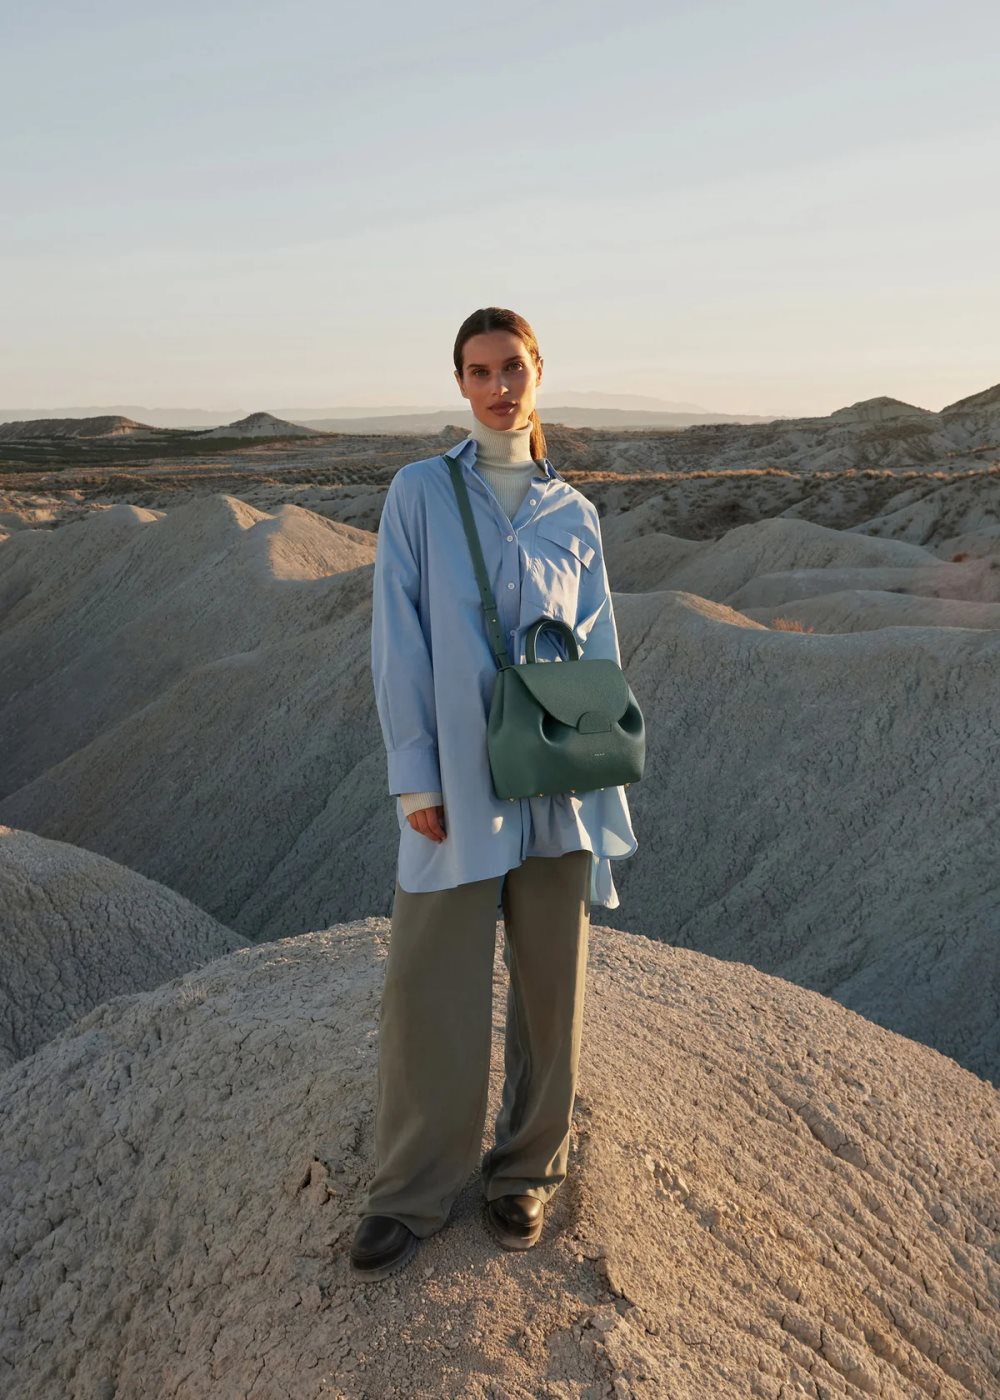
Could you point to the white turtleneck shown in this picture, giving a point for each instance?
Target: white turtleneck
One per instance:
(504, 460)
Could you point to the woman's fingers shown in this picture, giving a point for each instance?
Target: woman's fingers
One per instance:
(429, 821)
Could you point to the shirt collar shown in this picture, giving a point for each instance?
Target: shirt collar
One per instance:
(467, 449)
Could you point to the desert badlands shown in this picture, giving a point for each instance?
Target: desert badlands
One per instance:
(785, 1173)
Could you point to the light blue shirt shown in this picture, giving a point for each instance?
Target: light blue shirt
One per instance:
(433, 668)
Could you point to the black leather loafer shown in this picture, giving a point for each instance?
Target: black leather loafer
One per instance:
(515, 1221)
(381, 1246)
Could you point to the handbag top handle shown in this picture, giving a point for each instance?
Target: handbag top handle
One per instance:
(486, 598)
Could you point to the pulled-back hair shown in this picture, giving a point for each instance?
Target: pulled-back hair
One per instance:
(498, 318)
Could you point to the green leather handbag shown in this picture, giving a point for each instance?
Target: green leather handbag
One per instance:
(569, 726)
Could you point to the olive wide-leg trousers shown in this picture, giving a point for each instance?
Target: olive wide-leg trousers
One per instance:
(436, 1033)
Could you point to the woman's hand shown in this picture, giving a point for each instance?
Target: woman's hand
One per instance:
(429, 821)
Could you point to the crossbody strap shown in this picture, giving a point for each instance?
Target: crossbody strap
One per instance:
(491, 613)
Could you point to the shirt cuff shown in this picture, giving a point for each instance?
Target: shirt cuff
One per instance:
(413, 770)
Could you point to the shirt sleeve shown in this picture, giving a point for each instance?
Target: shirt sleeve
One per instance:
(596, 629)
(401, 663)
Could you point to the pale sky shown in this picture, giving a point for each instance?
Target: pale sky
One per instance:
(775, 206)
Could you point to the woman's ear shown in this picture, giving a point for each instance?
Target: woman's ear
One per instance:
(458, 381)
(538, 370)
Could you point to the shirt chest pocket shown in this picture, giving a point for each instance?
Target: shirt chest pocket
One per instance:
(562, 560)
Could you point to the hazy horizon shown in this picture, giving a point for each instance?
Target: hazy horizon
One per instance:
(569, 399)
(762, 210)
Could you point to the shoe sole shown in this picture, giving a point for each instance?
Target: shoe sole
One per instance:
(506, 1235)
(370, 1274)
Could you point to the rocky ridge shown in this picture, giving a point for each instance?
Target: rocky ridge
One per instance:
(767, 1196)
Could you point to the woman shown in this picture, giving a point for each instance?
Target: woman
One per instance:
(464, 853)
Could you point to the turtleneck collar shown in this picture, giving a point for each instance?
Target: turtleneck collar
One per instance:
(502, 447)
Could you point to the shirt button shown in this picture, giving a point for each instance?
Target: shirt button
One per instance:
(510, 537)
(531, 503)
(510, 585)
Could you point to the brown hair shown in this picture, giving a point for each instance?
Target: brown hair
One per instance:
(498, 318)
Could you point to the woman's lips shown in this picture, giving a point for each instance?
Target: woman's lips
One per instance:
(504, 408)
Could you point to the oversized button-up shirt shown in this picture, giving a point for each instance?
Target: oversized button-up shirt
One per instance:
(434, 670)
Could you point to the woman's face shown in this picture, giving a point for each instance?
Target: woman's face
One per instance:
(499, 379)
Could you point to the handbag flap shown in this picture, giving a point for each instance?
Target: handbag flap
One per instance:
(570, 689)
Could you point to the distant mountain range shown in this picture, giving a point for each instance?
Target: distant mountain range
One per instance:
(109, 425)
(565, 414)
(574, 410)
(880, 432)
